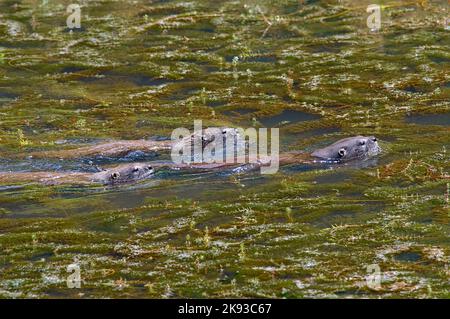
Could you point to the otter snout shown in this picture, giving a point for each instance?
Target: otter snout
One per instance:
(372, 146)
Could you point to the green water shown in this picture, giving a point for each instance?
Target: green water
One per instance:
(312, 68)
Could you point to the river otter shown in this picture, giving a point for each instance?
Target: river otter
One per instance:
(125, 173)
(344, 150)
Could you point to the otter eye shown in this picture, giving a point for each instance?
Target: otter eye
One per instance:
(342, 152)
(115, 175)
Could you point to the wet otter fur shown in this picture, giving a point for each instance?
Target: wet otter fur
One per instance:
(110, 149)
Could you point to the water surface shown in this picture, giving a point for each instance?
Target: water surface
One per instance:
(139, 71)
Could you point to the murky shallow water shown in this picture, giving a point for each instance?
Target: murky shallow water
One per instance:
(140, 71)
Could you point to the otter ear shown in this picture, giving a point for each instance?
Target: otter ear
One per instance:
(115, 175)
(342, 152)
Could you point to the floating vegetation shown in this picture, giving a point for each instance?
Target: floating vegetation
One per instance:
(313, 69)
(22, 140)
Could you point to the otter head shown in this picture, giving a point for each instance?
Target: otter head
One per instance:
(351, 148)
(211, 138)
(127, 173)
(223, 140)
(210, 134)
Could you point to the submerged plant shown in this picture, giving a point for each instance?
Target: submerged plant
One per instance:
(22, 140)
(188, 241)
(309, 230)
(206, 237)
(241, 251)
(289, 214)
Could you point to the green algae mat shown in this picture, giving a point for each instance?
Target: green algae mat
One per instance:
(139, 69)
